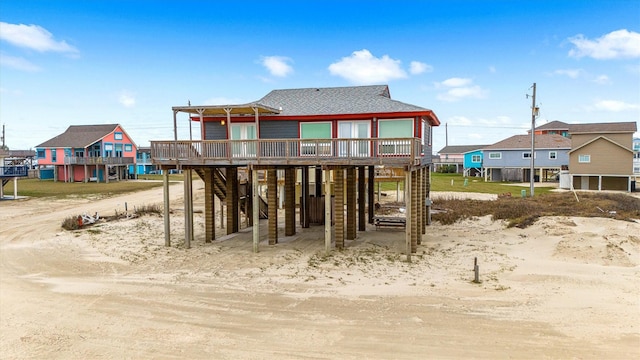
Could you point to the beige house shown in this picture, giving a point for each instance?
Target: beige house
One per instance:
(601, 156)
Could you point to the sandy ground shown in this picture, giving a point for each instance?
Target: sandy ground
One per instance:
(562, 288)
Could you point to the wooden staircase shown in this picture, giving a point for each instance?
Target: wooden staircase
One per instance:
(220, 190)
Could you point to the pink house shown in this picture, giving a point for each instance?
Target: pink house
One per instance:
(87, 153)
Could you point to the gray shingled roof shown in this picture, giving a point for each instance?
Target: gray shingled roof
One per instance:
(545, 141)
(554, 125)
(603, 128)
(79, 136)
(336, 100)
(460, 149)
(598, 128)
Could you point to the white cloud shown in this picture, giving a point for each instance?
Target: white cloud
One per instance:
(361, 67)
(614, 45)
(572, 73)
(456, 82)
(17, 63)
(602, 80)
(417, 67)
(614, 106)
(33, 37)
(460, 88)
(277, 65)
(127, 99)
(492, 69)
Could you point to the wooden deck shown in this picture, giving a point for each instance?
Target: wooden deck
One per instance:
(360, 152)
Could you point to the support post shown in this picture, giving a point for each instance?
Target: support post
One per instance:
(167, 223)
(362, 225)
(339, 206)
(327, 210)
(209, 206)
(351, 204)
(256, 209)
(188, 209)
(272, 199)
(304, 203)
(232, 200)
(407, 195)
(290, 201)
(370, 190)
(414, 211)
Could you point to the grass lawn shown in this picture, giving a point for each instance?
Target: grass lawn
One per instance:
(59, 189)
(456, 182)
(439, 182)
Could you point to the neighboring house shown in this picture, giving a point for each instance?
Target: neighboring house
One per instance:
(636, 156)
(87, 153)
(510, 159)
(143, 163)
(553, 127)
(338, 136)
(453, 155)
(601, 156)
(14, 164)
(473, 161)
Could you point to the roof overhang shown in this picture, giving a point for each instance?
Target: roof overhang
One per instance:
(221, 110)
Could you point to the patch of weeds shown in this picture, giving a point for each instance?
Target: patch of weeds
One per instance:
(94, 231)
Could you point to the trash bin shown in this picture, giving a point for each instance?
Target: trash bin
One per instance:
(523, 193)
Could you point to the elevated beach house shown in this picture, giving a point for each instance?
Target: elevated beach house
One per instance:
(510, 159)
(330, 140)
(601, 156)
(87, 153)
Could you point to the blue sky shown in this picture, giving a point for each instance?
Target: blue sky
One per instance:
(473, 62)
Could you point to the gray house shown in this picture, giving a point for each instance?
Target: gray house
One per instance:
(510, 159)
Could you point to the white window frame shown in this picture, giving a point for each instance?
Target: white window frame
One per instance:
(584, 158)
(495, 155)
(525, 153)
(476, 159)
(553, 155)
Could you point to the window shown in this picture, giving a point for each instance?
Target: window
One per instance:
(553, 155)
(78, 153)
(315, 131)
(108, 150)
(118, 150)
(54, 156)
(396, 128)
(475, 159)
(495, 155)
(584, 158)
(40, 153)
(117, 136)
(128, 147)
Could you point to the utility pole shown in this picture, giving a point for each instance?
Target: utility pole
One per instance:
(534, 113)
(446, 134)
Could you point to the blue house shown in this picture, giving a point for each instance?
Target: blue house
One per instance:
(510, 159)
(473, 160)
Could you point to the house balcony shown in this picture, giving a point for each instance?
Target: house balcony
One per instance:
(14, 171)
(79, 160)
(396, 152)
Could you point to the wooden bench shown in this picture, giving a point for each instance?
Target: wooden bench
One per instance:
(395, 221)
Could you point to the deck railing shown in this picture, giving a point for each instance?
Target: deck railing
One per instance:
(14, 171)
(81, 160)
(408, 149)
